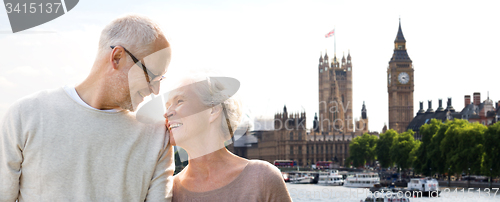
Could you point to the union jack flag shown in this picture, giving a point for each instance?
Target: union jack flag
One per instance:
(330, 33)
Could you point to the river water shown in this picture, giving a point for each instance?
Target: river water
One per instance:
(318, 193)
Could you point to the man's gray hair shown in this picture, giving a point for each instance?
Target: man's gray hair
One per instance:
(134, 32)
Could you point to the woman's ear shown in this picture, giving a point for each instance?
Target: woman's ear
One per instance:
(215, 113)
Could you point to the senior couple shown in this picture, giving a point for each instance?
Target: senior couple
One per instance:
(84, 143)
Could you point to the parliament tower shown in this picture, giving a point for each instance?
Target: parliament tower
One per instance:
(335, 96)
(400, 85)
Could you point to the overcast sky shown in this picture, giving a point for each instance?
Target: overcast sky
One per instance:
(273, 47)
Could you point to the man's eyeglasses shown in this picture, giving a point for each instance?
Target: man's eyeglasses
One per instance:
(148, 74)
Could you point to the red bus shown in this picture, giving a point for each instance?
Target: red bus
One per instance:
(285, 163)
(323, 164)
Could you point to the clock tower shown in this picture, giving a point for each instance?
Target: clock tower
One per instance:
(400, 85)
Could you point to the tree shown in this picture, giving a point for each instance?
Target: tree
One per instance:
(401, 147)
(491, 159)
(463, 146)
(413, 153)
(423, 158)
(435, 154)
(362, 149)
(382, 150)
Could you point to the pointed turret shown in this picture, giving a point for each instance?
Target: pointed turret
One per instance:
(400, 54)
(320, 58)
(335, 61)
(326, 57)
(400, 37)
(316, 123)
(343, 60)
(363, 111)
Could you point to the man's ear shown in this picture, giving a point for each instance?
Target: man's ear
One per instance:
(216, 111)
(117, 54)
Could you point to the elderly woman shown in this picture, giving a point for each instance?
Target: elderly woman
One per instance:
(200, 118)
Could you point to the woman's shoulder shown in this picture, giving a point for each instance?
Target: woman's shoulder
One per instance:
(272, 185)
(264, 168)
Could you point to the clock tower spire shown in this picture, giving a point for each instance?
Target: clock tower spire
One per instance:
(400, 85)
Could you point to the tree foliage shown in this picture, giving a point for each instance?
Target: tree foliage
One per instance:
(362, 149)
(491, 160)
(383, 148)
(413, 154)
(423, 155)
(464, 146)
(453, 146)
(401, 147)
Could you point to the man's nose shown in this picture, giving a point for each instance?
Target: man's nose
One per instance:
(155, 88)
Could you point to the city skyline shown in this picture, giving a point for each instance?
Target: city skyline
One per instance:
(273, 47)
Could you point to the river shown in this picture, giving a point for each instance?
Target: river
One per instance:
(318, 193)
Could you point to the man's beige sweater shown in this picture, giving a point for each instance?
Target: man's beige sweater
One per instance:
(54, 149)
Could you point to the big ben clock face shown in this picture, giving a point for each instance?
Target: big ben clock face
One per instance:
(389, 78)
(403, 78)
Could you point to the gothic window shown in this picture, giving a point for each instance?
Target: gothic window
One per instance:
(291, 135)
(300, 135)
(291, 149)
(300, 150)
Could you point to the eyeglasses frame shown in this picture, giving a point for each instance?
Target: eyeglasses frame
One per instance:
(147, 73)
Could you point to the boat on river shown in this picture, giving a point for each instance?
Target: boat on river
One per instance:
(301, 178)
(330, 178)
(428, 186)
(362, 180)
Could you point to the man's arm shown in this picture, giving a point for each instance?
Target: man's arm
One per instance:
(11, 157)
(160, 188)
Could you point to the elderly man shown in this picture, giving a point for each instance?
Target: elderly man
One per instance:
(82, 143)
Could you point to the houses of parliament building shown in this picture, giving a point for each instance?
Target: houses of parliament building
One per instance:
(333, 127)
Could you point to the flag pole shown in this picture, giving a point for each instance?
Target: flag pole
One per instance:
(334, 41)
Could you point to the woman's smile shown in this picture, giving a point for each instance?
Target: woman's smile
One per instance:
(173, 126)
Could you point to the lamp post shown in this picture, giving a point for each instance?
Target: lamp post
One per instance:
(400, 174)
(468, 180)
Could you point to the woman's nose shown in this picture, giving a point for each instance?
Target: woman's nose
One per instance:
(169, 113)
